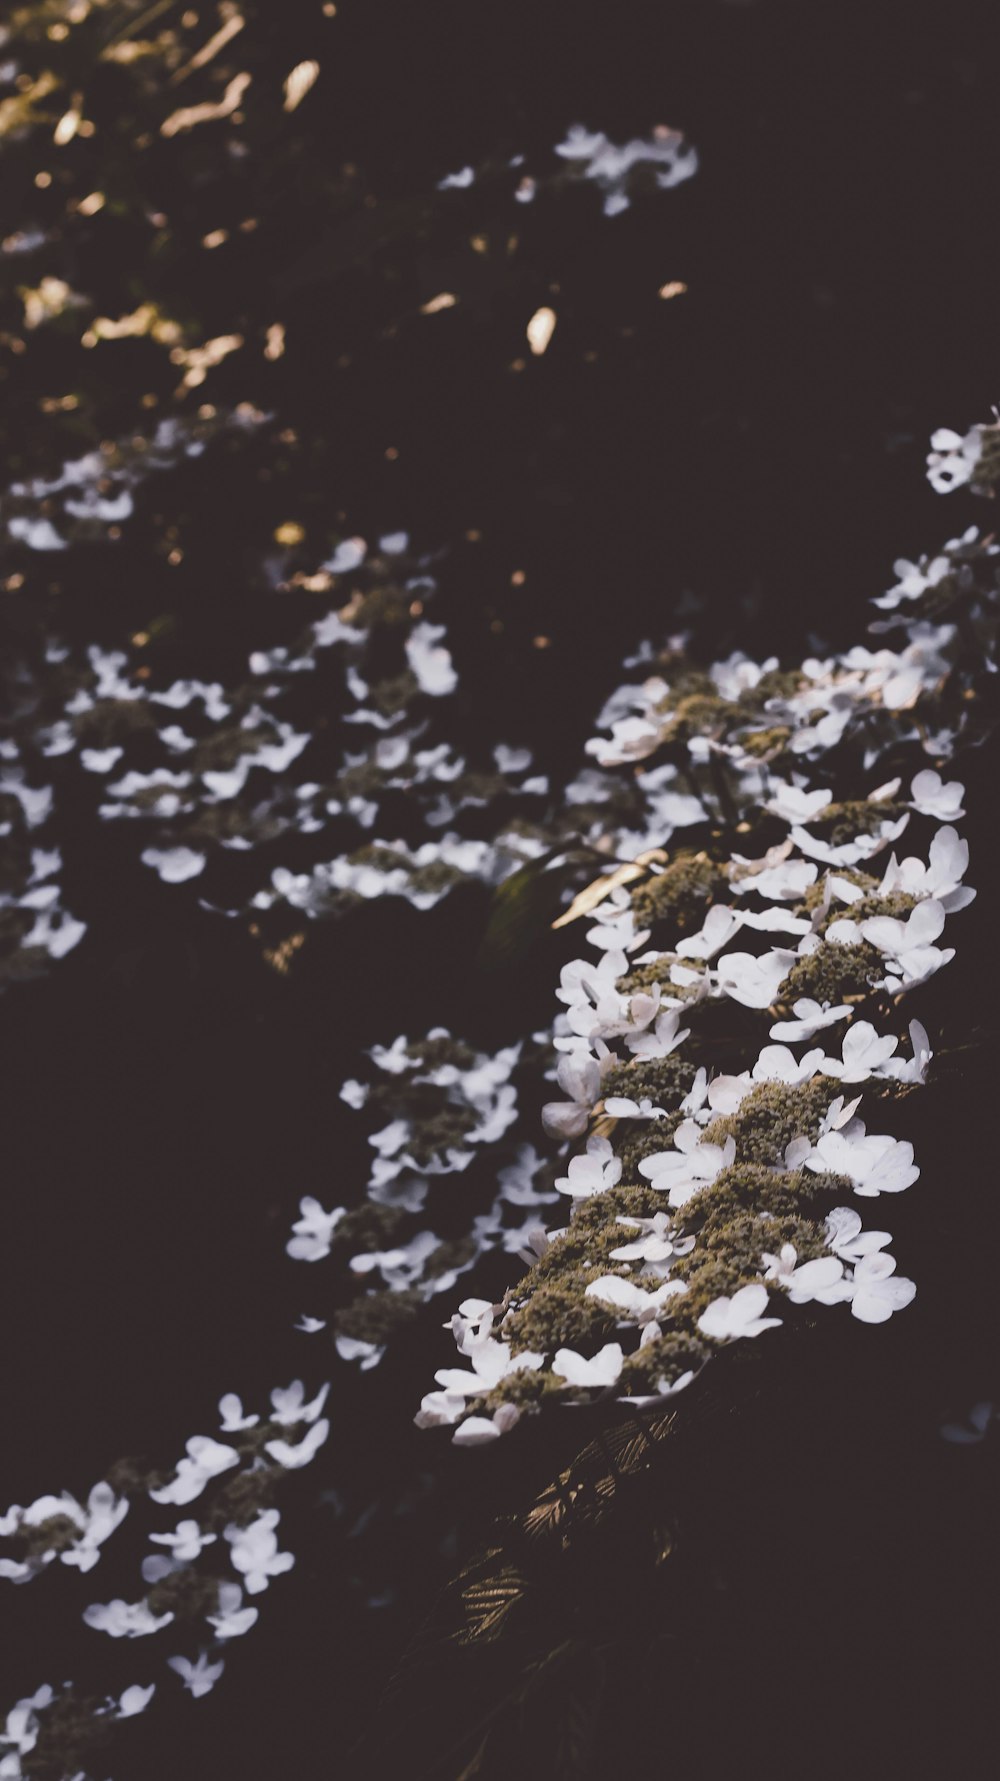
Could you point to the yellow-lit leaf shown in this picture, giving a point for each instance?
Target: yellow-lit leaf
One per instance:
(601, 888)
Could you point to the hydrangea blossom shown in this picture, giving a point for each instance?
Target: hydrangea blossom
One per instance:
(874, 1164)
(231, 1620)
(636, 1305)
(931, 797)
(727, 1319)
(254, 1551)
(691, 1165)
(600, 1371)
(200, 1677)
(593, 1172)
(878, 1292)
(205, 1458)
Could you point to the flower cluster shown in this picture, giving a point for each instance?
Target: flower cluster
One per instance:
(807, 900)
(432, 1107)
(188, 1575)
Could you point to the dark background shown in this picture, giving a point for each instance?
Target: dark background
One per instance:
(759, 441)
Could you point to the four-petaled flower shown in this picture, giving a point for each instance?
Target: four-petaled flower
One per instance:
(640, 1306)
(579, 1077)
(597, 1169)
(727, 1318)
(931, 797)
(601, 1370)
(198, 1678)
(876, 1293)
(254, 1551)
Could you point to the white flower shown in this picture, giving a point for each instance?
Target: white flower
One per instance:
(895, 938)
(430, 661)
(776, 920)
(940, 879)
(777, 1064)
(907, 945)
(914, 580)
(135, 1700)
(849, 853)
(864, 1054)
(206, 1458)
(727, 1093)
(602, 1370)
(953, 458)
(727, 1318)
(615, 924)
(21, 1729)
(846, 1238)
(874, 1164)
(821, 1281)
(689, 1166)
(472, 1323)
(517, 1180)
(124, 1620)
(632, 738)
(530, 1243)
(738, 674)
(660, 1039)
(198, 1678)
(592, 1000)
(491, 1362)
(351, 1348)
(912, 1069)
(640, 1306)
(231, 1620)
(174, 864)
(931, 797)
(254, 1551)
(233, 1418)
(620, 1107)
(304, 1451)
(810, 1018)
(784, 882)
(876, 1295)
(693, 1105)
(186, 1541)
(719, 926)
(579, 1076)
(754, 982)
(839, 1117)
(104, 1512)
(289, 1403)
(656, 1245)
(597, 1169)
(440, 1409)
(314, 1231)
(795, 804)
(478, 1431)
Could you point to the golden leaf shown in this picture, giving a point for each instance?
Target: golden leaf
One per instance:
(596, 893)
(488, 1604)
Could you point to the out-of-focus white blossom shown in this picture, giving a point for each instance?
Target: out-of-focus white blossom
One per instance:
(199, 1678)
(254, 1551)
